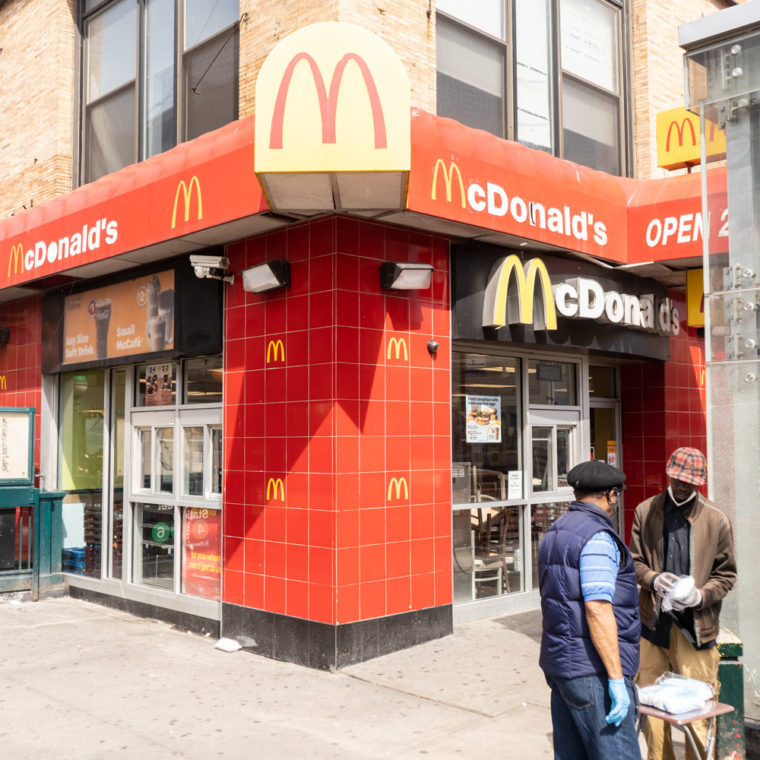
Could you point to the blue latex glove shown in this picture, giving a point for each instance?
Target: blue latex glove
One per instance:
(620, 701)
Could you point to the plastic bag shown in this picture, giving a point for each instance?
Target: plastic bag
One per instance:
(676, 694)
(681, 589)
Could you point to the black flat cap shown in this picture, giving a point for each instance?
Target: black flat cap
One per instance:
(595, 477)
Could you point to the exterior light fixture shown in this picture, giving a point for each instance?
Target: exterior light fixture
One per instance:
(267, 276)
(397, 275)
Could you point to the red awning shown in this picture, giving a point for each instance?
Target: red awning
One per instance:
(463, 181)
(200, 193)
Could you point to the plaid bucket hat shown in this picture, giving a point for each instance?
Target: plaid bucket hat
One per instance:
(688, 465)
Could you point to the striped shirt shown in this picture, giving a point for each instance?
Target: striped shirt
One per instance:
(599, 565)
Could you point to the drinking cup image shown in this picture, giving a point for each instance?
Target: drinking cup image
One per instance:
(166, 310)
(102, 315)
(155, 333)
(153, 288)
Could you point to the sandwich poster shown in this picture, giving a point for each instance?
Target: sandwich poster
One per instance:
(483, 419)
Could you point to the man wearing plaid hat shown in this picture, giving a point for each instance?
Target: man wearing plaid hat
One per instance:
(680, 533)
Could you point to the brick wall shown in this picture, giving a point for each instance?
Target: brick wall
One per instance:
(657, 61)
(403, 24)
(36, 101)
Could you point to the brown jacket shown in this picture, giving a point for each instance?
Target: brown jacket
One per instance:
(711, 559)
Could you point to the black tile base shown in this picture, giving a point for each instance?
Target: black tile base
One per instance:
(752, 738)
(181, 620)
(329, 647)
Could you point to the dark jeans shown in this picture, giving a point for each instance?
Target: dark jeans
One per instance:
(579, 706)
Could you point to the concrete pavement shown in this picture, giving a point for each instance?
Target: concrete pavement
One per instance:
(83, 681)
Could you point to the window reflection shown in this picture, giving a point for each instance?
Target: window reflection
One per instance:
(154, 555)
(165, 459)
(485, 427)
(81, 470)
(487, 552)
(542, 517)
(552, 383)
(203, 380)
(543, 476)
(193, 461)
(563, 455)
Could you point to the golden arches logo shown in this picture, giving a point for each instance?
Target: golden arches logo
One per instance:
(328, 99)
(680, 132)
(275, 485)
(3, 385)
(502, 305)
(187, 193)
(399, 344)
(448, 180)
(274, 349)
(398, 484)
(16, 257)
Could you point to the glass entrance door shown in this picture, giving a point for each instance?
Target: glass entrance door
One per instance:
(605, 443)
(554, 450)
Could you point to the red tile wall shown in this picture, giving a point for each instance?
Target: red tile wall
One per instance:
(20, 360)
(352, 416)
(663, 408)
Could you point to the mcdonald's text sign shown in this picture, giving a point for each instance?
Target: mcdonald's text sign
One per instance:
(522, 293)
(332, 97)
(678, 142)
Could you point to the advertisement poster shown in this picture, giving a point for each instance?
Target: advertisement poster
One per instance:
(128, 318)
(158, 384)
(202, 567)
(612, 453)
(483, 419)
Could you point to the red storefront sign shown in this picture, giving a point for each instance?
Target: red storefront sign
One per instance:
(197, 185)
(478, 179)
(457, 174)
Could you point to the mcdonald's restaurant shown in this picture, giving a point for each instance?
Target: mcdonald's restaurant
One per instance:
(318, 388)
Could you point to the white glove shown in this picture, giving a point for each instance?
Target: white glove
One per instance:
(664, 582)
(694, 599)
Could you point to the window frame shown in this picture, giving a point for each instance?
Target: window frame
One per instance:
(86, 11)
(557, 75)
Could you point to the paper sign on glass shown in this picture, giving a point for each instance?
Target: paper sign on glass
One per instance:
(483, 419)
(16, 445)
(514, 484)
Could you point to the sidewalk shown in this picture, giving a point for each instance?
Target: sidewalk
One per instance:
(83, 681)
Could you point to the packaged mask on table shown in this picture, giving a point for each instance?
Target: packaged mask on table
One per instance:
(676, 694)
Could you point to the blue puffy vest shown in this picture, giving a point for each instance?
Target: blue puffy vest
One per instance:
(566, 647)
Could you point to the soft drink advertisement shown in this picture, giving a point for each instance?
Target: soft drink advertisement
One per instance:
(202, 567)
(125, 319)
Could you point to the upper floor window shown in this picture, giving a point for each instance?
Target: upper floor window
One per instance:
(155, 73)
(500, 69)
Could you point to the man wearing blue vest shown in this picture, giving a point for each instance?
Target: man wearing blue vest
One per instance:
(591, 628)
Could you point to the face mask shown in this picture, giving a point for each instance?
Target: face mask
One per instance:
(685, 501)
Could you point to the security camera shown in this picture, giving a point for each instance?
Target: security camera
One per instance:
(211, 267)
(212, 262)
